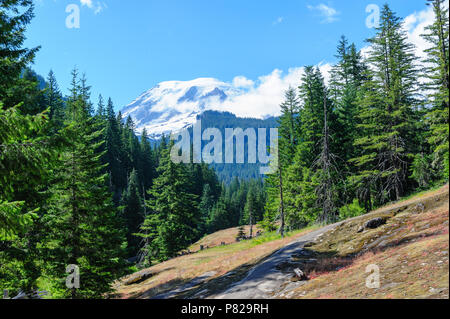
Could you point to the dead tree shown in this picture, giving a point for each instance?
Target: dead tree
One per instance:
(325, 188)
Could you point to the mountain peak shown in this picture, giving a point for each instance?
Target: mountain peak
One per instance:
(174, 105)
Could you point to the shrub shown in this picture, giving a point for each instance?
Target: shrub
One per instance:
(351, 210)
(422, 171)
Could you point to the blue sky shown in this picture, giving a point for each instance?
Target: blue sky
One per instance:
(127, 47)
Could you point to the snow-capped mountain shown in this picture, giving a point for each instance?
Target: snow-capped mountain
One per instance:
(174, 105)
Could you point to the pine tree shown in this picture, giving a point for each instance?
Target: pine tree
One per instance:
(173, 209)
(301, 182)
(27, 155)
(220, 216)
(288, 142)
(438, 74)
(133, 212)
(346, 78)
(241, 233)
(207, 202)
(101, 112)
(326, 190)
(54, 101)
(27, 152)
(288, 127)
(387, 112)
(15, 15)
(114, 152)
(82, 223)
(148, 167)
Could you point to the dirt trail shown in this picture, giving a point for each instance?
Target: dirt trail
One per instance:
(265, 279)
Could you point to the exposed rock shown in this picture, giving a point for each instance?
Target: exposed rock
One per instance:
(299, 275)
(302, 253)
(436, 291)
(420, 208)
(375, 223)
(286, 266)
(138, 277)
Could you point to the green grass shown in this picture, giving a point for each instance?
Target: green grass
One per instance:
(271, 236)
(246, 244)
(422, 192)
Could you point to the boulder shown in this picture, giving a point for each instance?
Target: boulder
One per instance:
(375, 223)
(137, 278)
(419, 209)
(299, 275)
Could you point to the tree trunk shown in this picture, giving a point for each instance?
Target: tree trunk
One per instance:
(281, 202)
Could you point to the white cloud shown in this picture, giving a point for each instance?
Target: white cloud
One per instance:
(278, 21)
(328, 13)
(86, 3)
(242, 82)
(263, 97)
(414, 25)
(97, 6)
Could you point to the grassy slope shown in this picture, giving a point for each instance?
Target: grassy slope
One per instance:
(229, 263)
(227, 236)
(411, 250)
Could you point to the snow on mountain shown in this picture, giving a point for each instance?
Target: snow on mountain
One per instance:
(174, 105)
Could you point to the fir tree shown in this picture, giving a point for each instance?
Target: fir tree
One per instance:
(83, 224)
(15, 15)
(174, 210)
(388, 109)
(133, 212)
(54, 101)
(437, 34)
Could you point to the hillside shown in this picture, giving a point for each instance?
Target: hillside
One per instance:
(410, 249)
(219, 265)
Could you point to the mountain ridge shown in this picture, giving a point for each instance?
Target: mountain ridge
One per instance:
(175, 105)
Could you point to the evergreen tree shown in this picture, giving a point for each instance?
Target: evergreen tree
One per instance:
(327, 189)
(346, 78)
(54, 101)
(288, 127)
(113, 144)
(15, 15)
(133, 212)
(101, 112)
(388, 109)
(27, 154)
(220, 216)
(301, 201)
(147, 162)
(207, 202)
(82, 222)
(174, 210)
(438, 74)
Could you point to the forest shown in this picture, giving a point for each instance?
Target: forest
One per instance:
(79, 187)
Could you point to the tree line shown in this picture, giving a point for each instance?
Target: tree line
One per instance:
(378, 131)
